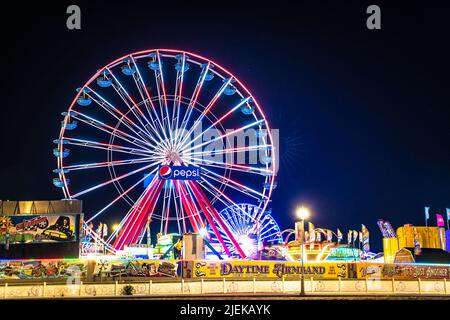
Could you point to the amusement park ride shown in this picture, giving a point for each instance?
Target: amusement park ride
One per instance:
(151, 138)
(144, 117)
(173, 145)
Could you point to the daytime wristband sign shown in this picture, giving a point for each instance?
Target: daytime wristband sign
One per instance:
(268, 269)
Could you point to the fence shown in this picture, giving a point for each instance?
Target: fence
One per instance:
(228, 287)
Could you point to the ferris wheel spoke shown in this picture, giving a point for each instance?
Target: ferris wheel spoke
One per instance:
(202, 197)
(228, 166)
(103, 184)
(192, 102)
(236, 186)
(210, 217)
(187, 205)
(127, 99)
(206, 110)
(230, 133)
(222, 118)
(197, 210)
(191, 200)
(178, 95)
(110, 130)
(132, 209)
(132, 228)
(165, 210)
(147, 99)
(175, 204)
(214, 190)
(232, 184)
(96, 165)
(120, 196)
(162, 95)
(232, 222)
(267, 231)
(231, 150)
(117, 114)
(180, 206)
(106, 146)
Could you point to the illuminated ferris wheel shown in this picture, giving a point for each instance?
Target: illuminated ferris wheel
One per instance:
(150, 141)
(252, 230)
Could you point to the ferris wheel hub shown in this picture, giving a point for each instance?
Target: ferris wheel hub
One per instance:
(173, 156)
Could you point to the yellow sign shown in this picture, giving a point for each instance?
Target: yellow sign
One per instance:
(264, 269)
(398, 271)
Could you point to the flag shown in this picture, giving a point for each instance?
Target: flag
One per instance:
(312, 232)
(355, 235)
(360, 237)
(365, 238)
(319, 236)
(440, 220)
(329, 235)
(349, 237)
(339, 236)
(306, 236)
(417, 246)
(427, 213)
(105, 230)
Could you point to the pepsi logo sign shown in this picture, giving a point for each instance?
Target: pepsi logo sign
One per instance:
(167, 172)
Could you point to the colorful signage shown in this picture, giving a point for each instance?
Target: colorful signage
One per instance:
(20, 229)
(135, 268)
(167, 172)
(45, 269)
(264, 269)
(399, 271)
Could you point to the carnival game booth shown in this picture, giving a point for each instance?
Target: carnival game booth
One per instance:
(40, 229)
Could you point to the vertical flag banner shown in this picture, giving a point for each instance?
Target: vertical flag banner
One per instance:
(448, 218)
(312, 235)
(355, 235)
(417, 246)
(349, 237)
(440, 220)
(427, 215)
(339, 236)
(329, 235)
(319, 236)
(365, 238)
(312, 232)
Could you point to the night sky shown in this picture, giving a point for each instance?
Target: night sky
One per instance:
(363, 115)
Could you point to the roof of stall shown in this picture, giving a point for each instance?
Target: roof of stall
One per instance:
(40, 207)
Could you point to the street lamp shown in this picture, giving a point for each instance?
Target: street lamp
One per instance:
(302, 213)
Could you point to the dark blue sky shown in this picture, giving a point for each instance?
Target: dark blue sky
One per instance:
(363, 115)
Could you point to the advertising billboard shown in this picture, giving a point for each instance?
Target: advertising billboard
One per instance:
(399, 271)
(29, 229)
(264, 269)
(167, 172)
(135, 268)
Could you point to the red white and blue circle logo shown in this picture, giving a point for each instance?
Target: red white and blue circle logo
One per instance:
(165, 172)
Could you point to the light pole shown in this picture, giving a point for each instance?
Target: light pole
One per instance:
(302, 213)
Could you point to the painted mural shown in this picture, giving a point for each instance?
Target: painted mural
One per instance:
(44, 269)
(135, 268)
(21, 229)
(397, 271)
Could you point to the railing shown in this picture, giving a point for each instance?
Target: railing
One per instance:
(197, 287)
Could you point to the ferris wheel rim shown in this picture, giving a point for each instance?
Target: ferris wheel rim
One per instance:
(270, 178)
